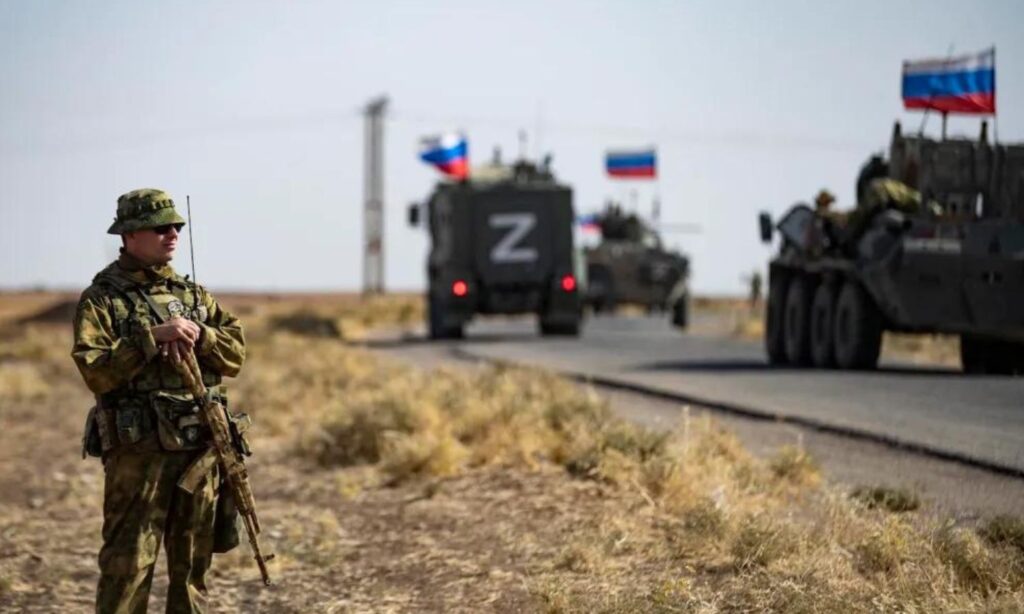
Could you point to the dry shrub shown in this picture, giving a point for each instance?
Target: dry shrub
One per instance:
(976, 567)
(701, 535)
(761, 540)
(887, 498)
(1004, 530)
(795, 466)
(307, 323)
(886, 547)
(706, 517)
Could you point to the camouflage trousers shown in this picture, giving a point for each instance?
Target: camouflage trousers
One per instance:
(143, 506)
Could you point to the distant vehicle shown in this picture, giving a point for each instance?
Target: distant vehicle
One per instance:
(501, 243)
(949, 260)
(630, 265)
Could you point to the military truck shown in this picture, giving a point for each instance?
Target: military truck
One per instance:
(630, 265)
(935, 245)
(501, 242)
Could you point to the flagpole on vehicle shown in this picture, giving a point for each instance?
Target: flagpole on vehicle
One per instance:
(995, 115)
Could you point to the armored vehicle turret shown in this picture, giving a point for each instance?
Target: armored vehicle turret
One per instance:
(501, 242)
(935, 244)
(630, 265)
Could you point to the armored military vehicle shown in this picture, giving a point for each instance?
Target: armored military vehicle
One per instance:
(630, 265)
(501, 243)
(935, 245)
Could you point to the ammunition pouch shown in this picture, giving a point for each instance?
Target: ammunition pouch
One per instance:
(178, 422)
(128, 420)
(92, 445)
(226, 533)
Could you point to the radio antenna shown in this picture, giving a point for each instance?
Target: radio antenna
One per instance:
(191, 246)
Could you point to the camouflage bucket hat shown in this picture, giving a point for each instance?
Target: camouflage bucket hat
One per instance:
(824, 198)
(146, 208)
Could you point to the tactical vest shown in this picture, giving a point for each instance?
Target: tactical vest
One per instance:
(133, 304)
(156, 400)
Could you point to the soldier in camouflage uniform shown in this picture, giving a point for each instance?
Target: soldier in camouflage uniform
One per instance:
(880, 194)
(823, 201)
(136, 316)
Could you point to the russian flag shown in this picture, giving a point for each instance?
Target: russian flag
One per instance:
(449, 153)
(965, 84)
(631, 164)
(588, 223)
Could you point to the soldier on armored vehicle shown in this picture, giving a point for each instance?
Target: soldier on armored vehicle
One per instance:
(899, 261)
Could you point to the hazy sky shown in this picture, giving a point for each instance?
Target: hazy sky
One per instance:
(253, 108)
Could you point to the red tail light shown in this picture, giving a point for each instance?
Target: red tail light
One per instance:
(460, 288)
(568, 283)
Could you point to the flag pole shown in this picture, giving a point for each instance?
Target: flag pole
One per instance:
(995, 115)
(945, 115)
(924, 120)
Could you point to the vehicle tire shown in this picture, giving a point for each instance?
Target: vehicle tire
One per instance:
(560, 330)
(797, 327)
(774, 329)
(857, 329)
(435, 321)
(601, 290)
(823, 308)
(979, 355)
(680, 312)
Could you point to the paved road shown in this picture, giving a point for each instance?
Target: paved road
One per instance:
(975, 417)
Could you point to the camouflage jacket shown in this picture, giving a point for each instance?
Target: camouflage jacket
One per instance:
(114, 348)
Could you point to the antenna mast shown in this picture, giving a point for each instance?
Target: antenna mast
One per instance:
(191, 247)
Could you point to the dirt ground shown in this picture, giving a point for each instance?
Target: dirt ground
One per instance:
(521, 537)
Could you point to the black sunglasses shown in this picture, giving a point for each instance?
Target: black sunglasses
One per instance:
(166, 228)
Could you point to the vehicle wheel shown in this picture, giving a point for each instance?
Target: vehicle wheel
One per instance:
(979, 355)
(680, 313)
(857, 329)
(438, 329)
(601, 290)
(566, 330)
(774, 329)
(822, 311)
(973, 354)
(797, 327)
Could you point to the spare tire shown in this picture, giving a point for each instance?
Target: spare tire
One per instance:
(797, 326)
(857, 329)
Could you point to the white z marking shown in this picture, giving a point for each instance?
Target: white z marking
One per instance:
(519, 225)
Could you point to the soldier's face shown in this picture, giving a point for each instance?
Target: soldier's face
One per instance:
(152, 245)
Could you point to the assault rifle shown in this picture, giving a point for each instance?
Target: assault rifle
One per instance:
(228, 454)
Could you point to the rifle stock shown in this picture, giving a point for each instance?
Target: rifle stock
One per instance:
(215, 416)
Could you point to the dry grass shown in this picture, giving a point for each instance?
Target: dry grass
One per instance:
(387, 488)
(712, 528)
(887, 498)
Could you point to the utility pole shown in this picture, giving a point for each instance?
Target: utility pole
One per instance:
(373, 191)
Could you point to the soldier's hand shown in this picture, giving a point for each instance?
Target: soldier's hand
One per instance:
(175, 351)
(176, 329)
